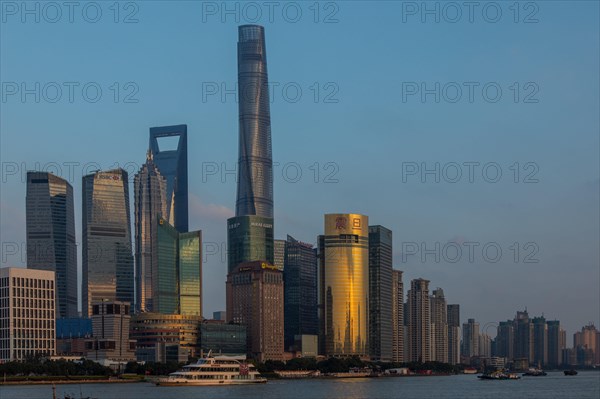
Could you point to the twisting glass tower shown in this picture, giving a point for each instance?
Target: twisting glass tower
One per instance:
(250, 232)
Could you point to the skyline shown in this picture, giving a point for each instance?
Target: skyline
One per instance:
(511, 212)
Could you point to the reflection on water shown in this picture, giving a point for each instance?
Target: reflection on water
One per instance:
(586, 385)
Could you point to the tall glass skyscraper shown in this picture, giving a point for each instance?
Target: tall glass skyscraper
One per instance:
(250, 232)
(344, 285)
(177, 278)
(255, 183)
(51, 236)
(150, 190)
(172, 164)
(300, 290)
(106, 253)
(380, 293)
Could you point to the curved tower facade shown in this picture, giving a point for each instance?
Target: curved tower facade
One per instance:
(344, 285)
(250, 232)
(255, 163)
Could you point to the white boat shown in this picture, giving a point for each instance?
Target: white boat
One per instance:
(214, 370)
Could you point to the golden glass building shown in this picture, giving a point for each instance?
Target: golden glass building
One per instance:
(344, 285)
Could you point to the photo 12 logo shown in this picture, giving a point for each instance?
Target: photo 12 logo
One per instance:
(288, 92)
(69, 92)
(469, 252)
(53, 12)
(255, 12)
(469, 171)
(470, 92)
(452, 12)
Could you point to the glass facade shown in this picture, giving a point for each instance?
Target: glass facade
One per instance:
(300, 291)
(223, 338)
(344, 285)
(177, 285)
(150, 190)
(249, 238)
(106, 254)
(255, 164)
(151, 329)
(165, 295)
(172, 164)
(380, 293)
(190, 273)
(50, 224)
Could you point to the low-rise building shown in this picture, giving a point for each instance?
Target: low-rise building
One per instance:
(110, 326)
(27, 313)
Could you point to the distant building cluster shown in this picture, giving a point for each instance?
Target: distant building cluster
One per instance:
(284, 298)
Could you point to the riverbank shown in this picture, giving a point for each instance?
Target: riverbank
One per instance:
(38, 380)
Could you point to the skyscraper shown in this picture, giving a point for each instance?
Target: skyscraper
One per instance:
(279, 253)
(177, 277)
(453, 313)
(380, 293)
(523, 337)
(106, 254)
(250, 232)
(300, 290)
(555, 344)
(397, 317)
(344, 285)
(470, 339)
(540, 341)
(419, 321)
(171, 161)
(484, 346)
(505, 339)
(255, 185)
(51, 235)
(150, 191)
(255, 299)
(439, 326)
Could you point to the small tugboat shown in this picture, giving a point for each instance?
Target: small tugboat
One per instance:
(470, 370)
(570, 372)
(215, 370)
(534, 372)
(499, 375)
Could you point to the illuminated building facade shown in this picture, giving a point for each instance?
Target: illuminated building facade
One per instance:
(177, 278)
(106, 254)
(344, 285)
(158, 335)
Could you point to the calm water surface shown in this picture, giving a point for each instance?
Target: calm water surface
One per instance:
(555, 385)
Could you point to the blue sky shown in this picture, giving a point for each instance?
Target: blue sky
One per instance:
(357, 130)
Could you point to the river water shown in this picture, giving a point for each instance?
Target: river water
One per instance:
(553, 386)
